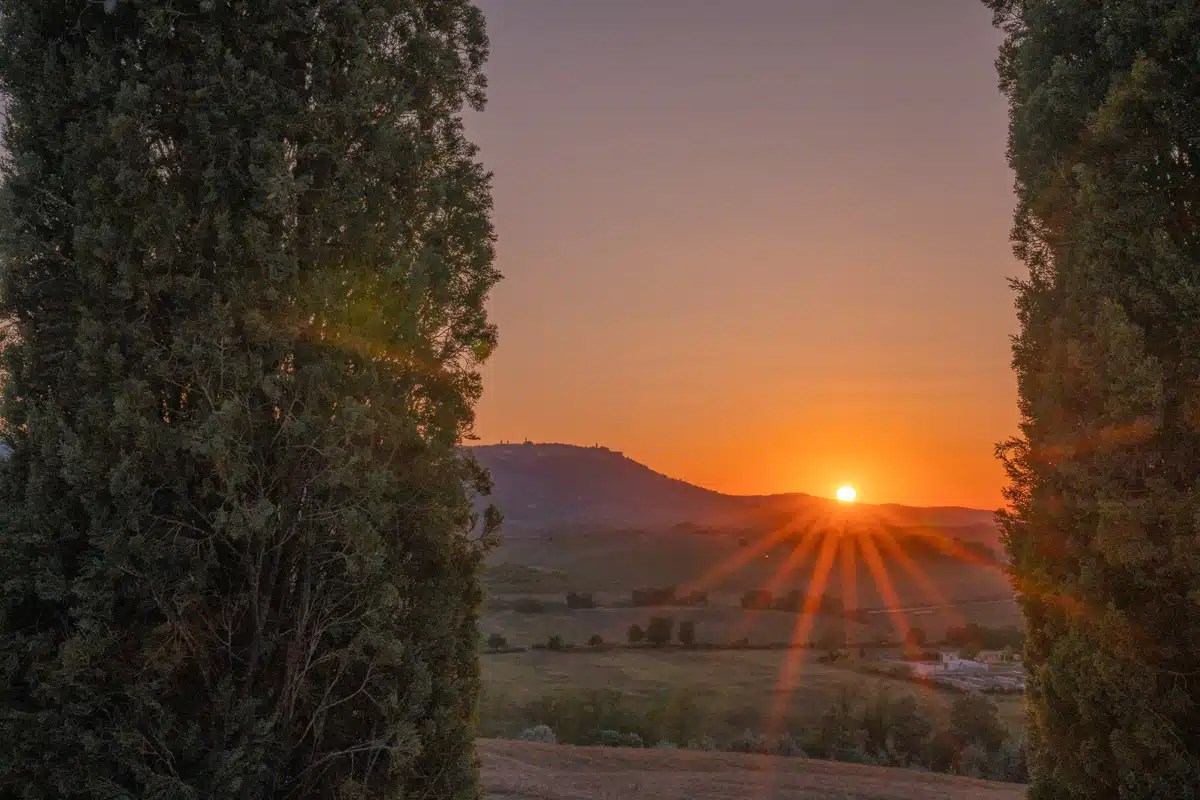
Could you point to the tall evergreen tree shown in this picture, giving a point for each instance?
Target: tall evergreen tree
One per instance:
(1104, 525)
(246, 246)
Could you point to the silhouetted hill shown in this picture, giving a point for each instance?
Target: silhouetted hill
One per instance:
(543, 486)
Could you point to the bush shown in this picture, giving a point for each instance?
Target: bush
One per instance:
(974, 720)
(580, 600)
(756, 599)
(915, 639)
(750, 742)
(658, 632)
(687, 633)
(654, 597)
(555, 642)
(496, 641)
(611, 738)
(787, 745)
(608, 738)
(595, 640)
(539, 733)
(528, 605)
(974, 761)
(636, 634)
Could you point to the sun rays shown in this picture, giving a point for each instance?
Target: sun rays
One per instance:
(830, 545)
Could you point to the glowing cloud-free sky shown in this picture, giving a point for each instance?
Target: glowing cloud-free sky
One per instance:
(760, 245)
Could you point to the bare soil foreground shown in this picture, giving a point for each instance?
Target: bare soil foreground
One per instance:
(527, 771)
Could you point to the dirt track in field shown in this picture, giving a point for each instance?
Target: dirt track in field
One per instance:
(527, 771)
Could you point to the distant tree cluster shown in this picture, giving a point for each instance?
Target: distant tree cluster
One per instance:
(659, 630)
(528, 605)
(794, 601)
(985, 638)
(668, 596)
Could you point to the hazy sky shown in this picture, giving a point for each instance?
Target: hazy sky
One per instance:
(760, 245)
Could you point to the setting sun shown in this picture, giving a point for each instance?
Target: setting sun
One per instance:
(846, 494)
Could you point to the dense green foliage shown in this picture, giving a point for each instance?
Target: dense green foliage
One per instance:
(246, 247)
(1105, 501)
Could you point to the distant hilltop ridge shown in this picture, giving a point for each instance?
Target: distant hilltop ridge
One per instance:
(549, 485)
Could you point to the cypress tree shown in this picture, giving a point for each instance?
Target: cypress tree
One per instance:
(245, 248)
(1102, 527)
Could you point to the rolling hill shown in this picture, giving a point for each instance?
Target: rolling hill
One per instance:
(540, 487)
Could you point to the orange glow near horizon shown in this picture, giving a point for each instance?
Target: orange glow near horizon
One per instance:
(847, 494)
(773, 298)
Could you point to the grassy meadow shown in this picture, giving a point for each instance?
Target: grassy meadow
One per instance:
(729, 691)
(732, 690)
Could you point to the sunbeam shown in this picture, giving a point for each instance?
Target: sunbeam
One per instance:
(884, 583)
(917, 574)
(803, 628)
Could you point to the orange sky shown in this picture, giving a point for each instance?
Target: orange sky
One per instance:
(760, 245)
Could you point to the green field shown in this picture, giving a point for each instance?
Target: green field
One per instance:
(618, 562)
(734, 689)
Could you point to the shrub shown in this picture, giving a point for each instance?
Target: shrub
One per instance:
(974, 761)
(636, 634)
(608, 738)
(974, 720)
(496, 641)
(611, 738)
(580, 600)
(756, 599)
(788, 745)
(658, 632)
(1009, 763)
(915, 639)
(595, 640)
(555, 642)
(528, 605)
(687, 633)
(539, 733)
(750, 742)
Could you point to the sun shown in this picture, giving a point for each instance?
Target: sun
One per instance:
(846, 494)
